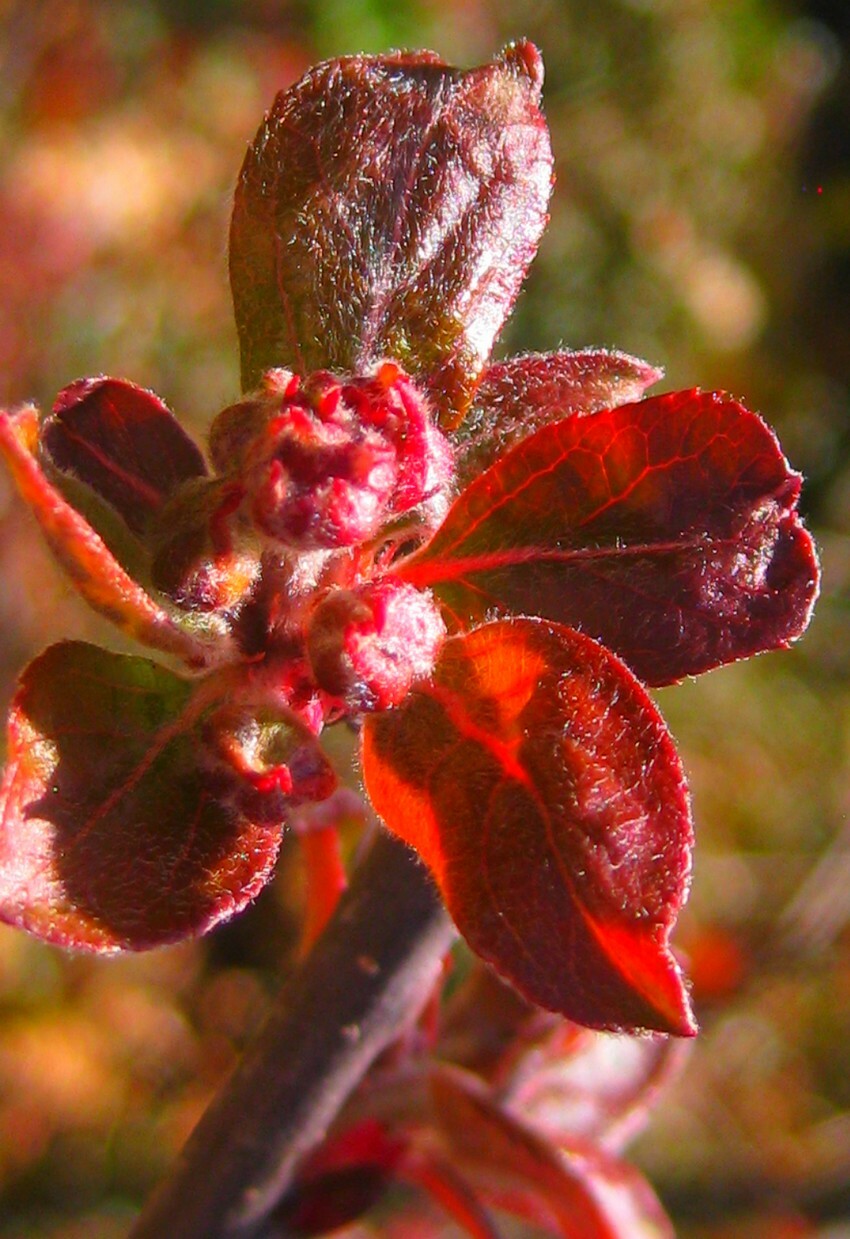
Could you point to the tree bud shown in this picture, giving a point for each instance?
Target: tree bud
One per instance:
(368, 645)
(327, 460)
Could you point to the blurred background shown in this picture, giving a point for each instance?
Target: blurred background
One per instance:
(701, 219)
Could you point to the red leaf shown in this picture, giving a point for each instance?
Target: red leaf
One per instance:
(124, 443)
(342, 1180)
(319, 827)
(518, 396)
(390, 206)
(666, 529)
(329, 1203)
(119, 828)
(206, 556)
(539, 783)
(584, 1195)
(595, 1087)
(439, 1179)
(625, 1198)
(90, 564)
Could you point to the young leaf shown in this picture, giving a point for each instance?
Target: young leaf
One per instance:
(390, 206)
(581, 1195)
(206, 557)
(537, 780)
(124, 443)
(666, 529)
(518, 396)
(438, 1177)
(117, 830)
(341, 1181)
(92, 567)
(595, 1088)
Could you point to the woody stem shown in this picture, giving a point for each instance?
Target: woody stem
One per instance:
(366, 979)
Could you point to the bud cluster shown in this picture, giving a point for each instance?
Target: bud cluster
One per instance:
(305, 468)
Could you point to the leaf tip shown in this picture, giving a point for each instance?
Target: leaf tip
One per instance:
(671, 1003)
(524, 58)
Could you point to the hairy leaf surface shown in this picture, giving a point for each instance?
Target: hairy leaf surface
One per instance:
(539, 783)
(124, 443)
(518, 396)
(118, 827)
(390, 206)
(95, 572)
(666, 529)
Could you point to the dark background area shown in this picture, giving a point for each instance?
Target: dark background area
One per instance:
(701, 219)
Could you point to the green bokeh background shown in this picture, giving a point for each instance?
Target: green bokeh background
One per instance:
(701, 219)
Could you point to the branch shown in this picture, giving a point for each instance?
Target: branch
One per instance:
(367, 978)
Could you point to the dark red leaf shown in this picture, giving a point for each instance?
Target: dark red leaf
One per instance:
(124, 443)
(390, 206)
(518, 396)
(106, 586)
(331, 1201)
(119, 826)
(539, 783)
(341, 1181)
(666, 529)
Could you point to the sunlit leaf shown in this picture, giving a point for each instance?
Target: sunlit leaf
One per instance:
(518, 396)
(96, 573)
(124, 443)
(539, 783)
(390, 206)
(119, 826)
(666, 529)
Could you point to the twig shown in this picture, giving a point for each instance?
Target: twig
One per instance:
(367, 977)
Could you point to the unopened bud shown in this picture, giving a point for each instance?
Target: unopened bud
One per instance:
(368, 645)
(276, 756)
(327, 460)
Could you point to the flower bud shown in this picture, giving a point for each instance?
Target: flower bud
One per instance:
(325, 462)
(368, 645)
(277, 755)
